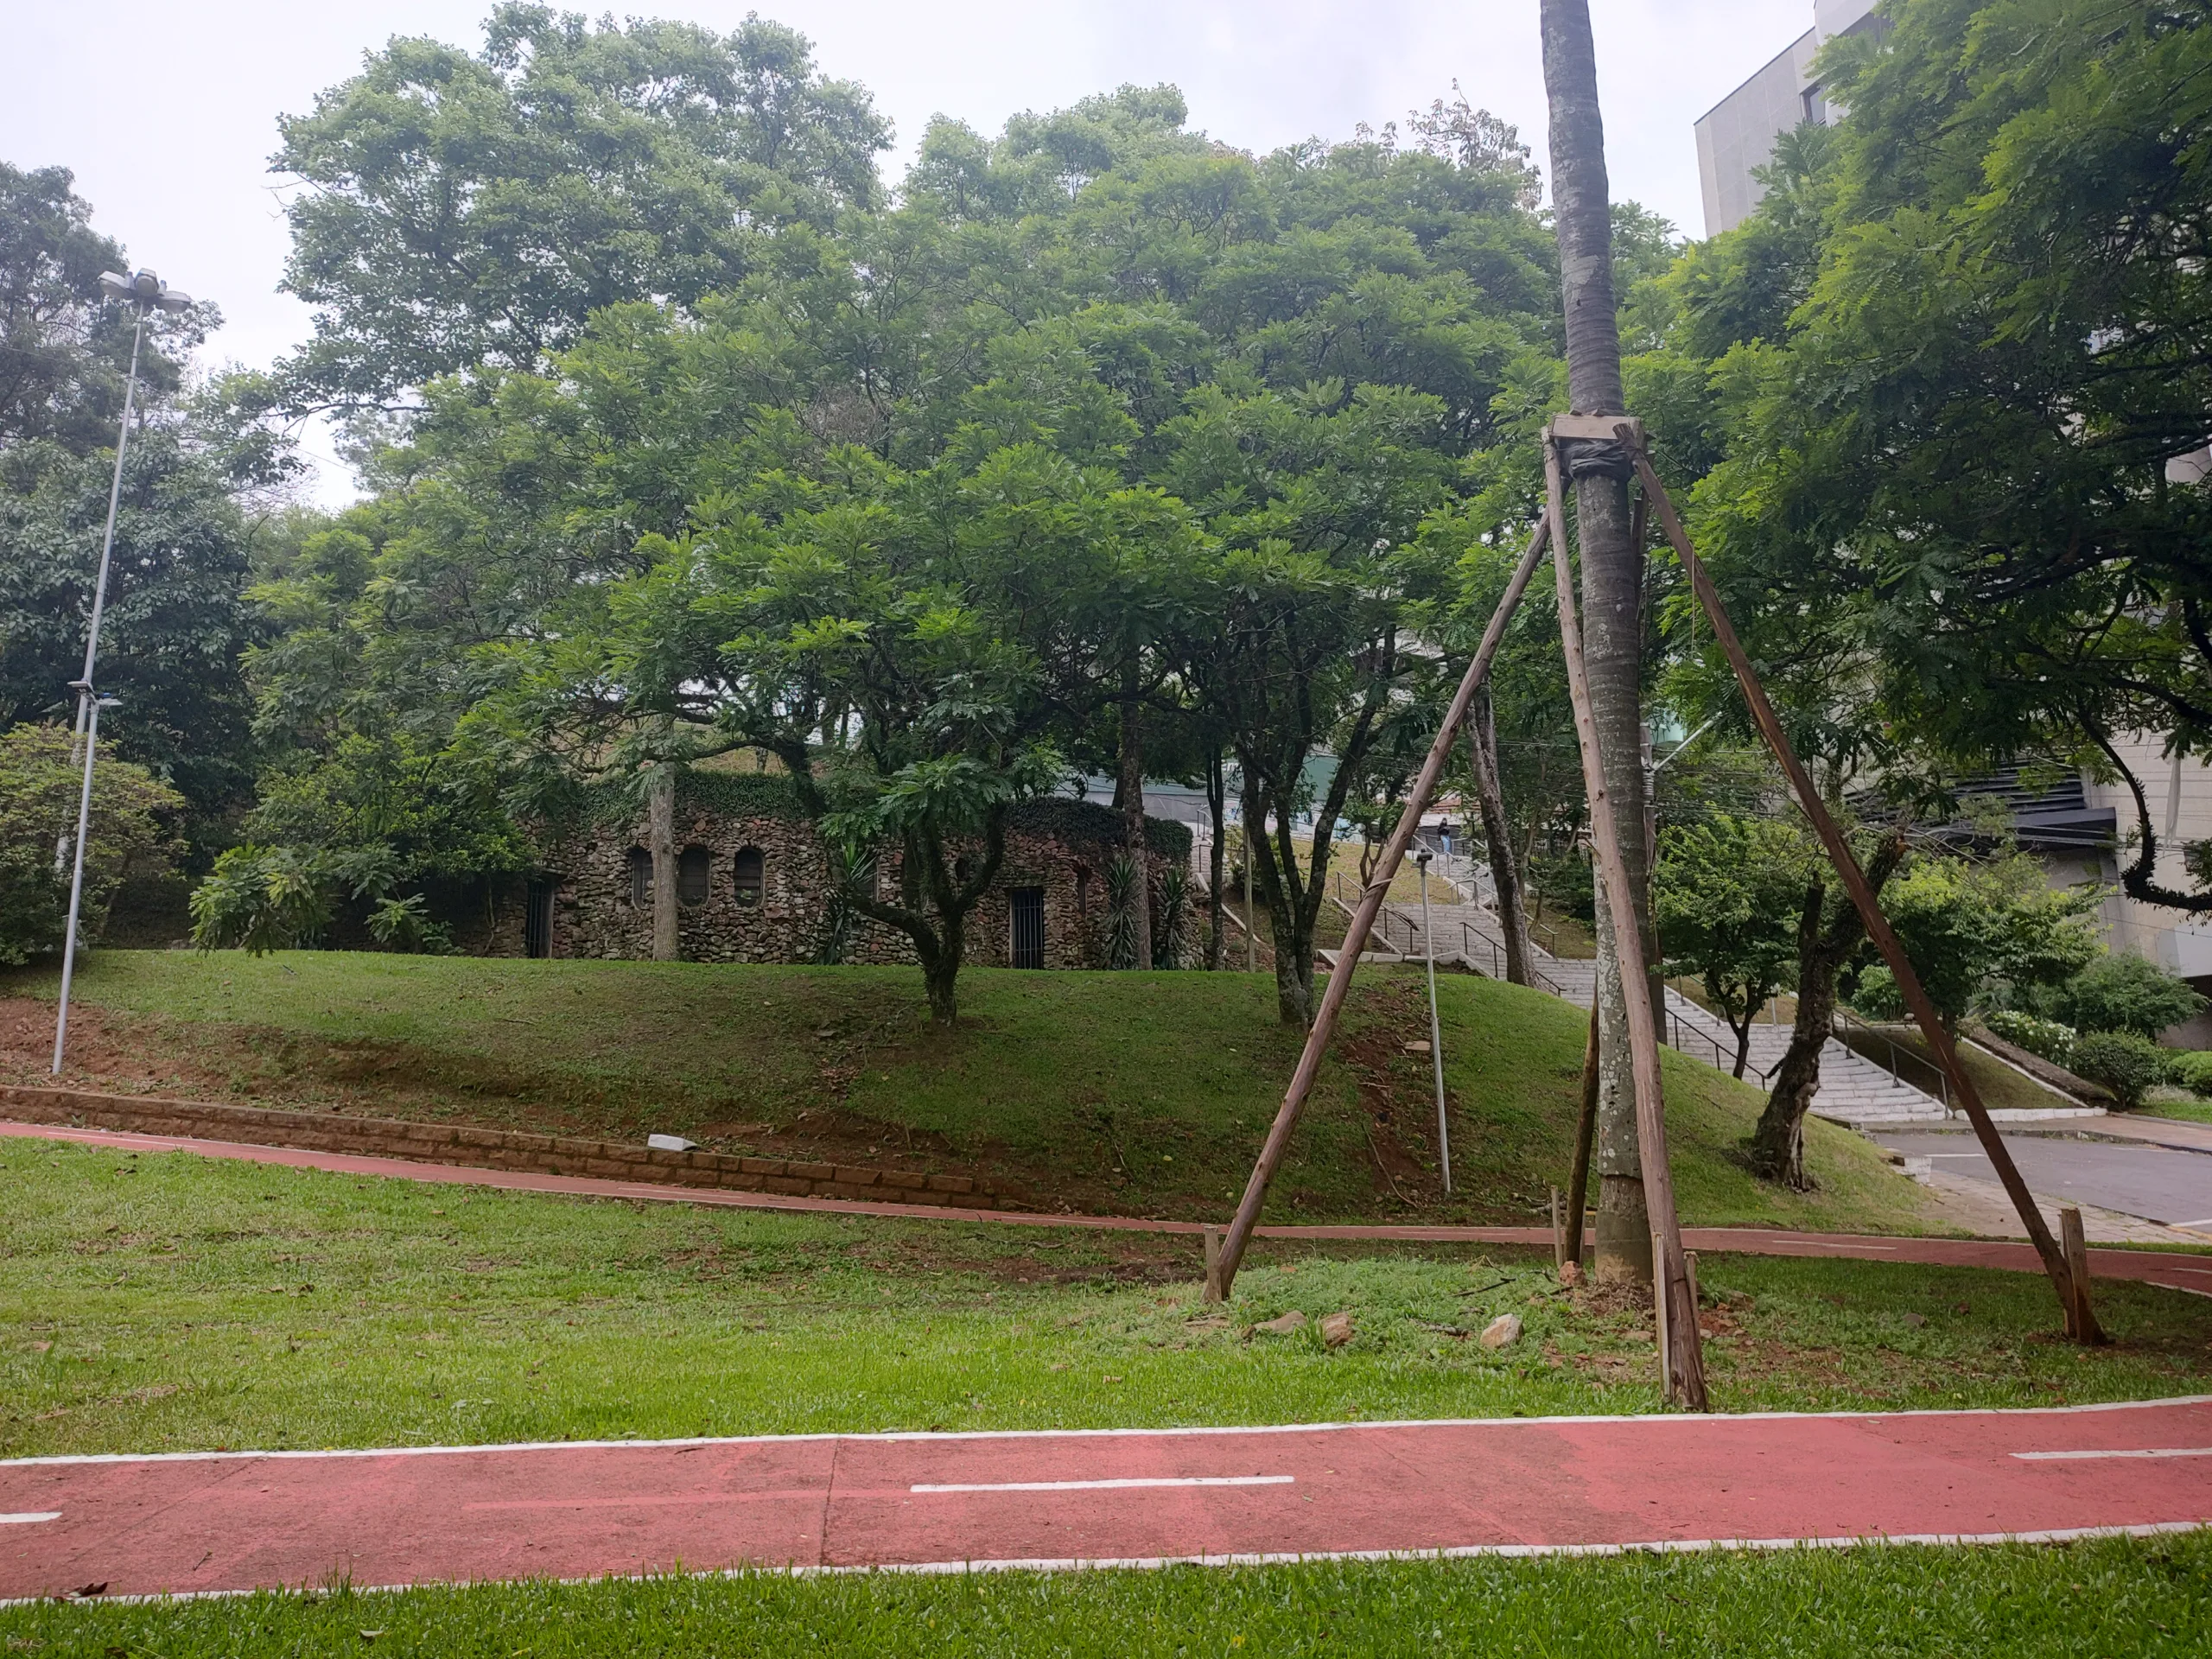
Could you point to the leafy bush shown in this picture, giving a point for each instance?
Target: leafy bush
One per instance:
(2126, 992)
(2192, 1070)
(1566, 881)
(40, 781)
(259, 900)
(1876, 995)
(2129, 1066)
(2051, 1039)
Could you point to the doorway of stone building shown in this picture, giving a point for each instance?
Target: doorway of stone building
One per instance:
(1027, 907)
(538, 919)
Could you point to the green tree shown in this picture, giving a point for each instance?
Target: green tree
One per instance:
(132, 837)
(1726, 891)
(459, 211)
(1978, 930)
(2122, 992)
(1957, 372)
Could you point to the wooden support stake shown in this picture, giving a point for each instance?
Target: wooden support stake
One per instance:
(1559, 1233)
(1689, 1267)
(1363, 920)
(1585, 1136)
(1685, 1364)
(1932, 1029)
(1213, 1291)
(1660, 1322)
(2077, 1263)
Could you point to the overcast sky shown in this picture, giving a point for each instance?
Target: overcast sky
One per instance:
(167, 113)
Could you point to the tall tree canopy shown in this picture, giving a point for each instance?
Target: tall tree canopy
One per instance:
(459, 211)
(1959, 368)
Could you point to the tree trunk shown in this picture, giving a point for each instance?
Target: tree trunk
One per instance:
(1292, 944)
(1132, 794)
(1824, 944)
(1612, 583)
(1217, 812)
(660, 819)
(1504, 870)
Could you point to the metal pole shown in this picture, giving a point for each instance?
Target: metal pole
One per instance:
(88, 710)
(1435, 1030)
(76, 882)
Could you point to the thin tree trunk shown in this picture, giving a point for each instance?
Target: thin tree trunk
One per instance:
(1504, 871)
(1824, 944)
(660, 819)
(1217, 811)
(1132, 794)
(1612, 581)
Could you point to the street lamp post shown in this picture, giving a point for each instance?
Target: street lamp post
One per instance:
(1435, 1029)
(145, 292)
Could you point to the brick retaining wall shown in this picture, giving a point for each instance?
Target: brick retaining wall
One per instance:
(481, 1148)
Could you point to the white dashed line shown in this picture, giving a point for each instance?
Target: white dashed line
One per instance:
(1102, 1485)
(2146, 1452)
(26, 1517)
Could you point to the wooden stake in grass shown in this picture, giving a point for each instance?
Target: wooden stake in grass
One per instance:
(1559, 1233)
(1213, 1290)
(2083, 1325)
(1585, 1133)
(2079, 1316)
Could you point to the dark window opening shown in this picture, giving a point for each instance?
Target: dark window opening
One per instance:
(691, 874)
(752, 876)
(641, 877)
(1082, 891)
(1027, 905)
(538, 919)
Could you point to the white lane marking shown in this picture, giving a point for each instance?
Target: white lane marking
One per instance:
(25, 1517)
(2207, 1221)
(1104, 1485)
(1680, 1421)
(2142, 1451)
(1257, 1558)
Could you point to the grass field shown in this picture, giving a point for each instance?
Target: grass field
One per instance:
(170, 1302)
(2106, 1597)
(1136, 1093)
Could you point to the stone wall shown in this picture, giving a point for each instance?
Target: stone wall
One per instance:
(599, 911)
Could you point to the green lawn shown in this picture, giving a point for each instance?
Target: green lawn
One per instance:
(1137, 1093)
(2178, 1103)
(2002, 1087)
(2107, 1598)
(170, 1302)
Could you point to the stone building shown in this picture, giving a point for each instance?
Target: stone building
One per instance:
(752, 884)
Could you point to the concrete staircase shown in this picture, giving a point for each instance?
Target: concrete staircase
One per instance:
(1854, 1090)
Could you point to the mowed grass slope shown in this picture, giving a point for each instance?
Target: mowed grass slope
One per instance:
(1137, 1093)
(168, 1302)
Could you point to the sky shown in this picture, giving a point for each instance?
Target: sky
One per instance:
(167, 113)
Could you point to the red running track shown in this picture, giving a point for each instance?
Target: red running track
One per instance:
(229, 1521)
(2175, 1269)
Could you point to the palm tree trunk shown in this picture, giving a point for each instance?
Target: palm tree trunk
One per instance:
(1612, 581)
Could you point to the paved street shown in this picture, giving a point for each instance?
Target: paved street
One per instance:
(2156, 1183)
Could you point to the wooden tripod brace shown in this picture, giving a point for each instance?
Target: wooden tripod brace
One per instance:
(1682, 1358)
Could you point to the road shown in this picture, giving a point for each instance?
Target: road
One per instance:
(2156, 1183)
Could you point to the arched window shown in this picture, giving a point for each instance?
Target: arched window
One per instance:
(691, 872)
(641, 878)
(752, 872)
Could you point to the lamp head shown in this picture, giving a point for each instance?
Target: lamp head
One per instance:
(143, 287)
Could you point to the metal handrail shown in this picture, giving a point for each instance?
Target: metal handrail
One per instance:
(1723, 1059)
(1842, 1021)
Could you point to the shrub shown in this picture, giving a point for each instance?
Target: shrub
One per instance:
(259, 900)
(2049, 1038)
(2126, 992)
(40, 780)
(2192, 1070)
(2129, 1066)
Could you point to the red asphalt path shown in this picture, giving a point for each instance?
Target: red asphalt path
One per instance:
(2172, 1269)
(230, 1522)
